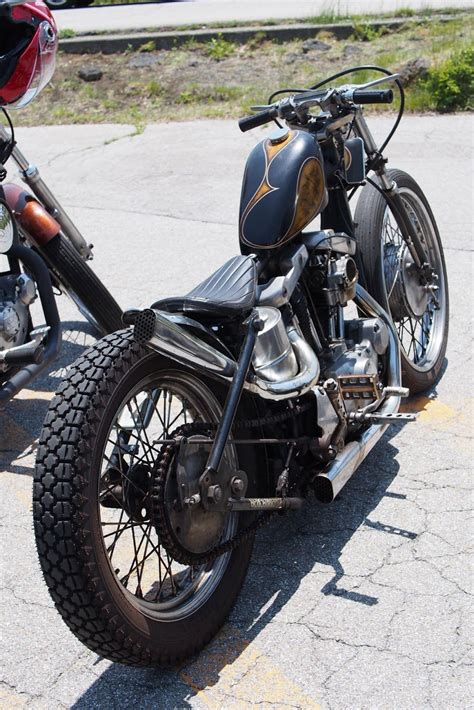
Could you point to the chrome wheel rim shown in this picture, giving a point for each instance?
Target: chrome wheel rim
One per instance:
(144, 571)
(419, 321)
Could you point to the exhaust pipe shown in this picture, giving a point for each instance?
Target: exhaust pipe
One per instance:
(329, 482)
(155, 329)
(158, 330)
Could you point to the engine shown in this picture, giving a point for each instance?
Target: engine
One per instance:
(350, 351)
(17, 292)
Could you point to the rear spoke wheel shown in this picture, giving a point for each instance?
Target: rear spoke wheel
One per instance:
(95, 518)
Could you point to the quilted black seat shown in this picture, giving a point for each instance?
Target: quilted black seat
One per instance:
(229, 291)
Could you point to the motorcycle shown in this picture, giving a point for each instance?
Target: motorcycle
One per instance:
(42, 248)
(171, 442)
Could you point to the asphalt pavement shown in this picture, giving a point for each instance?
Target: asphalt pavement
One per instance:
(176, 14)
(362, 604)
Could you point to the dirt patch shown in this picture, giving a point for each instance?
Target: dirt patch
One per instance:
(220, 79)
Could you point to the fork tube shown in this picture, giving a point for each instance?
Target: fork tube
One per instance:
(391, 194)
(363, 131)
(30, 175)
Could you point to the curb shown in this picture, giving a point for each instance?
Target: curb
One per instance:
(112, 43)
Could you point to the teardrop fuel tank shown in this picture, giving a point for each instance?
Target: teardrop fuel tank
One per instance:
(283, 189)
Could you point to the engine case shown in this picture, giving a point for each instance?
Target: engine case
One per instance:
(366, 340)
(17, 292)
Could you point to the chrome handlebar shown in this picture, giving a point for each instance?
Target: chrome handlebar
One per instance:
(296, 106)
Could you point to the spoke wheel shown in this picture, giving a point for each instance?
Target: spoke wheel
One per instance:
(420, 314)
(148, 415)
(107, 570)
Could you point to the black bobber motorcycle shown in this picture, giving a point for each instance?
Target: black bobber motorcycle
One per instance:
(171, 442)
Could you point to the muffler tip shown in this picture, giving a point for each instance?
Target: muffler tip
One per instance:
(144, 327)
(323, 489)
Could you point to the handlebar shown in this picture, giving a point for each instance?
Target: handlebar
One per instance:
(292, 107)
(366, 96)
(258, 119)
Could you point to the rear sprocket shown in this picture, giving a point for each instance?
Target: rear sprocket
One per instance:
(189, 533)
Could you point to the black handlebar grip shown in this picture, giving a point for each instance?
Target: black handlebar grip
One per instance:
(376, 96)
(259, 119)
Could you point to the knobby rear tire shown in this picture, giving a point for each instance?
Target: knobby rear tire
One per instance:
(66, 511)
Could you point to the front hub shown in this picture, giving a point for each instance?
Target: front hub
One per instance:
(408, 296)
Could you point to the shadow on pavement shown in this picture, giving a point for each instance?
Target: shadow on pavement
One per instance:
(285, 552)
(22, 418)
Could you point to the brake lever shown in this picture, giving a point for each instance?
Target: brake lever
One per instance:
(348, 90)
(376, 82)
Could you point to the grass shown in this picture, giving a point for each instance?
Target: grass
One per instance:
(323, 18)
(219, 48)
(66, 33)
(222, 79)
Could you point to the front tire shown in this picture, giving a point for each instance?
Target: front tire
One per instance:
(121, 606)
(422, 328)
(83, 286)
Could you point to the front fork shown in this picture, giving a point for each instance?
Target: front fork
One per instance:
(30, 175)
(394, 199)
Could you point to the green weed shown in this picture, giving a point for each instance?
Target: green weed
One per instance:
(406, 12)
(257, 40)
(66, 33)
(365, 32)
(452, 82)
(219, 48)
(154, 88)
(147, 47)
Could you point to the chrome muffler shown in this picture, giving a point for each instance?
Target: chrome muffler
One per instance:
(163, 333)
(329, 482)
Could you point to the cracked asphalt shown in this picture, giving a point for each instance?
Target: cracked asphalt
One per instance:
(362, 604)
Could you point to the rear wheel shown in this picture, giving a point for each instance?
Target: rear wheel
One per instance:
(110, 575)
(420, 316)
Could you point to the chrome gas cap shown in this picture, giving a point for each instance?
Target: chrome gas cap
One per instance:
(279, 135)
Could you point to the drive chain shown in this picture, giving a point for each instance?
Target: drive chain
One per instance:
(161, 518)
(162, 468)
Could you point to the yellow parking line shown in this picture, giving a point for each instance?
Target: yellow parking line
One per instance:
(430, 409)
(233, 673)
(11, 700)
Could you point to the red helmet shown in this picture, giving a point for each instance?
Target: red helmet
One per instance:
(28, 44)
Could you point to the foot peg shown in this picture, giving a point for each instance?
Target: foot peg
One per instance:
(370, 415)
(374, 418)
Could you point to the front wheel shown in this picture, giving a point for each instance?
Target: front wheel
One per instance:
(112, 578)
(420, 316)
(87, 291)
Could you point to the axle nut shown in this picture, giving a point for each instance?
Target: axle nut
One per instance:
(214, 493)
(237, 485)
